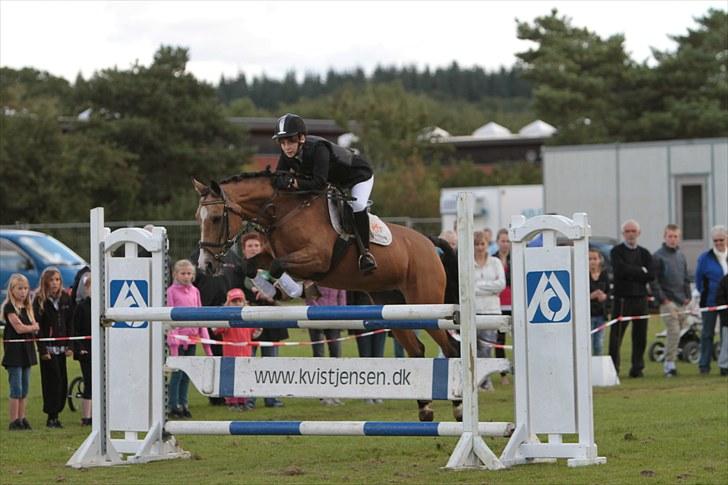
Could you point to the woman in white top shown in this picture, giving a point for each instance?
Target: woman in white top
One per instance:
(490, 280)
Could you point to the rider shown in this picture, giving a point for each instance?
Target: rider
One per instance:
(309, 162)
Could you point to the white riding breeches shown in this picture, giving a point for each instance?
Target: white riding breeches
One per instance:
(360, 192)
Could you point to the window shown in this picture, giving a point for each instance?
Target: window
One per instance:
(12, 259)
(691, 209)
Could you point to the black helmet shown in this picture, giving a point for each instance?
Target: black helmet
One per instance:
(289, 125)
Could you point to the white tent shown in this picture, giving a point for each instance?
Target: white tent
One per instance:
(492, 130)
(537, 128)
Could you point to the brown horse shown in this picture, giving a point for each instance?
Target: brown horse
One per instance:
(301, 240)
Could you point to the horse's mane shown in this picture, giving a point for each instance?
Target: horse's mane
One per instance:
(247, 175)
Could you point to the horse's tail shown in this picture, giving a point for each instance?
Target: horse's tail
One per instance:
(449, 260)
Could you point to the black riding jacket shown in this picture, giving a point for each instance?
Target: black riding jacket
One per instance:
(321, 162)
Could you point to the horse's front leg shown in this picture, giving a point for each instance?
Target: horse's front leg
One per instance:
(301, 264)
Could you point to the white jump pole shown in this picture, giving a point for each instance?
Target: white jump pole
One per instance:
(470, 451)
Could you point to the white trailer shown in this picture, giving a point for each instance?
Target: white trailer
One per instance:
(494, 205)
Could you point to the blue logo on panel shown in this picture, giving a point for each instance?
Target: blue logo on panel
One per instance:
(549, 296)
(129, 294)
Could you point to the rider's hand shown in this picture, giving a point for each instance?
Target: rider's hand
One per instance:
(283, 180)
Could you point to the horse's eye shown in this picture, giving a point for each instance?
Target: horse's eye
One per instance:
(216, 219)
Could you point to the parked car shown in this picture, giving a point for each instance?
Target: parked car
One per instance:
(30, 252)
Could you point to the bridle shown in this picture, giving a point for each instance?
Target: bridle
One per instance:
(224, 236)
(267, 211)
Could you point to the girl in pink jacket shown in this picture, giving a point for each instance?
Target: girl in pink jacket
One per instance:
(183, 293)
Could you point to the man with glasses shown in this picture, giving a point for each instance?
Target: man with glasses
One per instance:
(710, 270)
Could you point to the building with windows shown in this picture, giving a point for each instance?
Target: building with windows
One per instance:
(679, 181)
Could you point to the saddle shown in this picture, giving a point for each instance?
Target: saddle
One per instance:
(342, 222)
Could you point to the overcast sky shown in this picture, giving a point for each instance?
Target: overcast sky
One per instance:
(225, 38)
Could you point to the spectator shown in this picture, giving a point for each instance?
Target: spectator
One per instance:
(710, 270)
(451, 237)
(632, 266)
(721, 299)
(598, 294)
(369, 345)
(504, 255)
(18, 357)
(182, 293)
(82, 348)
(326, 297)
(213, 290)
(671, 289)
(490, 280)
(236, 297)
(53, 310)
(252, 246)
(489, 242)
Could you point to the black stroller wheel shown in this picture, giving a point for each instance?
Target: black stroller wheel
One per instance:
(75, 393)
(691, 352)
(657, 352)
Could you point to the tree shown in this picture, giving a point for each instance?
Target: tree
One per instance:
(577, 78)
(51, 176)
(686, 94)
(172, 124)
(388, 121)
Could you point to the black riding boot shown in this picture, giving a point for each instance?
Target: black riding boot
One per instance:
(366, 260)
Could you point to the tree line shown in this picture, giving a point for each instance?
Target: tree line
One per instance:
(147, 130)
(453, 82)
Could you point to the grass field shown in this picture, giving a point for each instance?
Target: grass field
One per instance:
(651, 430)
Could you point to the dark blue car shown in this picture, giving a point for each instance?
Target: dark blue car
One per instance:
(30, 252)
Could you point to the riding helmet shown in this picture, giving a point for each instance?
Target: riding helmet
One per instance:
(289, 125)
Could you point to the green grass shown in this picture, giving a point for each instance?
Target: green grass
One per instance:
(652, 430)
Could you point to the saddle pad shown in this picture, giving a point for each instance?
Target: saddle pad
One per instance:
(379, 232)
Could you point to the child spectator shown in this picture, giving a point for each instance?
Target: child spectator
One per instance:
(598, 294)
(236, 297)
(183, 294)
(53, 309)
(82, 348)
(20, 324)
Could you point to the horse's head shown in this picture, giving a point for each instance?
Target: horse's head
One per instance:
(220, 220)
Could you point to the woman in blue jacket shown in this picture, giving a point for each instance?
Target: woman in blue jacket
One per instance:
(711, 268)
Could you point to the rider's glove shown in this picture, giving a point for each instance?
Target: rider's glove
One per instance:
(283, 180)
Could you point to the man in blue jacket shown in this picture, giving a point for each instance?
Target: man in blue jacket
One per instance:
(710, 270)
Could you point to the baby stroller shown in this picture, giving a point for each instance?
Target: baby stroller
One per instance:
(688, 347)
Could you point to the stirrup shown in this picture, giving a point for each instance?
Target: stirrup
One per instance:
(367, 263)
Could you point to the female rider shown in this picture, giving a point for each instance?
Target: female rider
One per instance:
(310, 162)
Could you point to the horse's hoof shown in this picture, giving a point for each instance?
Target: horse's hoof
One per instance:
(457, 411)
(426, 413)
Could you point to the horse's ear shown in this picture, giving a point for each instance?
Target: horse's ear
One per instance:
(215, 188)
(201, 188)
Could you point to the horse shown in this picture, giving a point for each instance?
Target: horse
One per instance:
(301, 242)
